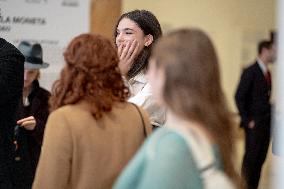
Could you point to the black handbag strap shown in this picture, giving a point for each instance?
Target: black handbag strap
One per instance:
(143, 122)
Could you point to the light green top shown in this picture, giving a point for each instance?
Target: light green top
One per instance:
(164, 161)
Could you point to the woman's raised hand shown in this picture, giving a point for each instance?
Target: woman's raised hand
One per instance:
(127, 54)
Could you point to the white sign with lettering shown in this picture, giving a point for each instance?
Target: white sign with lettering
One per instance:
(52, 23)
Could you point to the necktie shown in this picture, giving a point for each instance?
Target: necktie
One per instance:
(268, 77)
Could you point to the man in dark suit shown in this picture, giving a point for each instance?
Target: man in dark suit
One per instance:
(11, 85)
(253, 102)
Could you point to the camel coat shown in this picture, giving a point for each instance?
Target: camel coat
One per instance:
(80, 152)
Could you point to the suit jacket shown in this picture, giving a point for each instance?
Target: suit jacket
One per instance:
(11, 85)
(81, 152)
(253, 96)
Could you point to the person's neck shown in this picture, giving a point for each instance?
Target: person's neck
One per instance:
(264, 61)
(174, 120)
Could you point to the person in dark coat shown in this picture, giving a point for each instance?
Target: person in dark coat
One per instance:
(11, 85)
(253, 102)
(32, 114)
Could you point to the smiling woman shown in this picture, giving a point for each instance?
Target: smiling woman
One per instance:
(130, 40)
(136, 32)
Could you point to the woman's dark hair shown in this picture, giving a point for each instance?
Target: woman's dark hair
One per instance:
(91, 73)
(192, 87)
(149, 24)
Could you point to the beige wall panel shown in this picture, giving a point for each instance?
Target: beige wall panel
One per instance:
(104, 14)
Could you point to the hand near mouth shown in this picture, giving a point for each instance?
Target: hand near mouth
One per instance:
(127, 54)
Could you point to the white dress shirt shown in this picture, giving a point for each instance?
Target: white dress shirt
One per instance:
(262, 66)
(142, 96)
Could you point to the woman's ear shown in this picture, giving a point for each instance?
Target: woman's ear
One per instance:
(148, 40)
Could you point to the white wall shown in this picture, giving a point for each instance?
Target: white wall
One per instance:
(235, 26)
(278, 140)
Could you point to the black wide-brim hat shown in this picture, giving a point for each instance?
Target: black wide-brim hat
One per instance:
(33, 55)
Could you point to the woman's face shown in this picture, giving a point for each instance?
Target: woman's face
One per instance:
(156, 77)
(128, 31)
(30, 76)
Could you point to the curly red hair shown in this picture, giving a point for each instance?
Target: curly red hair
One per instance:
(91, 73)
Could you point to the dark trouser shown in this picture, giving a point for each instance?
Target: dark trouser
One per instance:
(256, 147)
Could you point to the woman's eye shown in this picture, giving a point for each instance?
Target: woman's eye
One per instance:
(128, 33)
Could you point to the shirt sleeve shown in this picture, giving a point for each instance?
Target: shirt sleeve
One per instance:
(56, 154)
(144, 98)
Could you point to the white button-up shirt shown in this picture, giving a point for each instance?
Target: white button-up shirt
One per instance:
(142, 96)
(262, 66)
